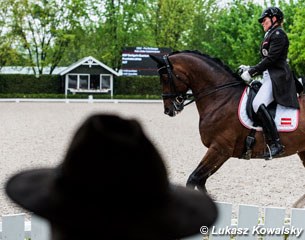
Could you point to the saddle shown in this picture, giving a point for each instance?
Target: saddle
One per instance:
(252, 91)
(285, 118)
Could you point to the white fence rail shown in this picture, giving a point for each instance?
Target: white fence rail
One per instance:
(252, 223)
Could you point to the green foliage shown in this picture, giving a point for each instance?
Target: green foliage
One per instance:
(17, 85)
(60, 32)
(29, 84)
(202, 30)
(8, 55)
(297, 39)
(172, 21)
(235, 36)
(122, 24)
(137, 86)
(43, 29)
(32, 95)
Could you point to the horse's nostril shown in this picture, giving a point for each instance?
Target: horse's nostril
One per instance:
(170, 112)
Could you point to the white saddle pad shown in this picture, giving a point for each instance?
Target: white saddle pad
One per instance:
(286, 119)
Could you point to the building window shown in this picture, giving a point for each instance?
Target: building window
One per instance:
(72, 81)
(83, 81)
(78, 81)
(105, 81)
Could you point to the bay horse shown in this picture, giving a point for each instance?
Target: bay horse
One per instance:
(217, 90)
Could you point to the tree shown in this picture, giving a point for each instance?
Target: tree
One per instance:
(297, 38)
(234, 34)
(202, 30)
(44, 29)
(8, 55)
(117, 24)
(171, 22)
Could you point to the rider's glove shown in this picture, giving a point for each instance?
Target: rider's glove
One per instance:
(243, 68)
(246, 76)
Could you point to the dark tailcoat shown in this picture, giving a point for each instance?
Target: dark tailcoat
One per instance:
(274, 50)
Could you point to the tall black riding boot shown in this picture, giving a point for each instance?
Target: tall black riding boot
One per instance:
(270, 130)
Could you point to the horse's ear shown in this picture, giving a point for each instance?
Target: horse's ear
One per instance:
(157, 60)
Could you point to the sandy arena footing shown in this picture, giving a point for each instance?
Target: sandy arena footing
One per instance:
(37, 135)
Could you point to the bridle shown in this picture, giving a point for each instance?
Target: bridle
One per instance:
(178, 99)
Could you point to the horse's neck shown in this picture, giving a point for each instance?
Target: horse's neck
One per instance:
(214, 98)
(204, 85)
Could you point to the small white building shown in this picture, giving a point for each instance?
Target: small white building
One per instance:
(88, 75)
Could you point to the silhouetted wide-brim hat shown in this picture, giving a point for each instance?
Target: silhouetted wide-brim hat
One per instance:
(114, 182)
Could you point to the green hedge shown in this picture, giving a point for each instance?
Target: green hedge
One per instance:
(28, 84)
(139, 85)
(13, 84)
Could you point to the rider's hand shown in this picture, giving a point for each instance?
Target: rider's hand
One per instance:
(243, 68)
(246, 76)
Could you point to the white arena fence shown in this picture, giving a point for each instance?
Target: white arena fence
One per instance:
(252, 222)
(15, 227)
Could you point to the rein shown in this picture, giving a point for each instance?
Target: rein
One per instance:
(181, 97)
(205, 93)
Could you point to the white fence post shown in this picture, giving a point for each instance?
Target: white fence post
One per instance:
(274, 218)
(298, 221)
(40, 229)
(13, 227)
(223, 221)
(248, 217)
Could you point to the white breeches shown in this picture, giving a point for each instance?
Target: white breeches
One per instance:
(265, 93)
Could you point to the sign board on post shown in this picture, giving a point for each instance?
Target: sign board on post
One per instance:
(136, 60)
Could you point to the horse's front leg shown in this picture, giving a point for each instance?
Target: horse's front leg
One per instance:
(210, 163)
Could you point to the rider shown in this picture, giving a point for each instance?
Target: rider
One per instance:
(277, 83)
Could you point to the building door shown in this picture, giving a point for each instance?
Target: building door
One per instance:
(95, 82)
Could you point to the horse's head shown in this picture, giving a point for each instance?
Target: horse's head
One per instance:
(174, 85)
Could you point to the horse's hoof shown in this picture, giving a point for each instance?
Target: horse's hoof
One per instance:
(202, 189)
(190, 185)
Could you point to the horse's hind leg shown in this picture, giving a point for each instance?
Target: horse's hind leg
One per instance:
(210, 163)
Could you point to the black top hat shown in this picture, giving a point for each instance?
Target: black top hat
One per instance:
(112, 181)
